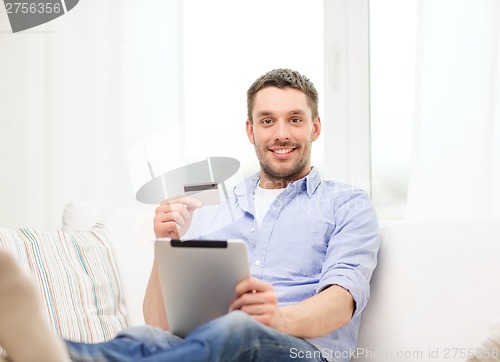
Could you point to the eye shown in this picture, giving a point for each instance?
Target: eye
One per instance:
(295, 120)
(266, 121)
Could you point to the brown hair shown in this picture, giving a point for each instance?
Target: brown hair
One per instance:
(283, 78)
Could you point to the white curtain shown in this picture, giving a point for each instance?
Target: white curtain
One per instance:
(75, 94)
(455, 168)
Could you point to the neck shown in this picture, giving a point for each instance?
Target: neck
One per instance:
(269, 182)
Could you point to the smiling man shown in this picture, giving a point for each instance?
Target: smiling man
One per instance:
(312, 242)
(312, 246)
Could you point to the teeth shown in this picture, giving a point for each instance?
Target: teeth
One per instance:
(283, 151)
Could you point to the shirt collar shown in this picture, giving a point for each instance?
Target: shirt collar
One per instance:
(245, 191)
(312, 180)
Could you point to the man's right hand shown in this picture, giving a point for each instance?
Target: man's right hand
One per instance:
(173, 216)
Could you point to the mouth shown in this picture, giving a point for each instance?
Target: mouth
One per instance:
(282, 152)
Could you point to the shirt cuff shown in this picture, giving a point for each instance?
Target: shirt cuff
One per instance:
(353, 282)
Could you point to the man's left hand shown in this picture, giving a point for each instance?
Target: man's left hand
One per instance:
(257, 298)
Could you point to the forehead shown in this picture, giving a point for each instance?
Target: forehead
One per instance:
(280, 100)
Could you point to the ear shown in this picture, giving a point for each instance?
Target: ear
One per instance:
(316, 130)
(249, 128)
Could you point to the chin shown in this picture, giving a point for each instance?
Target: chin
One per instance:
(281, 174)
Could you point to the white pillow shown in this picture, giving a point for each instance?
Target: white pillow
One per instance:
(77, 278)
(131, 234)
(489, 349)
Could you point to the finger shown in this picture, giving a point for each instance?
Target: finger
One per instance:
(188, 201)
(177, 213)
(173, 207)
(252, 285)
(167, 215)
(168, 230)
(250, 298)
(173, 217)
(168, 224)
(257, 309)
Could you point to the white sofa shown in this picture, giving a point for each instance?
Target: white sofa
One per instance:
(435, 291)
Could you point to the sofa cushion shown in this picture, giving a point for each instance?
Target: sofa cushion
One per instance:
(434, 291)
(77, 279)
(131, 234)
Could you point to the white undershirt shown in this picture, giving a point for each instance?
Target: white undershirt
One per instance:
(263, 200)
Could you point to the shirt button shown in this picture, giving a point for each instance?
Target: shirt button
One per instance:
(252, 230)
(257, 262)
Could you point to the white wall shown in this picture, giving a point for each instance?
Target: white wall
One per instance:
(22, 145)
(74, 95)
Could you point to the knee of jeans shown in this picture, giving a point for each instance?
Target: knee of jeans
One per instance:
(240, 321)
(152, 337)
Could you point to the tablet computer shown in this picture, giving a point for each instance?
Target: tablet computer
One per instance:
(198, 279)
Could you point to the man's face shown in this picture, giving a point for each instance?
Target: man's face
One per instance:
(282, 132)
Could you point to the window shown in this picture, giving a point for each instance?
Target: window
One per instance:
(392, 91)
(226, 51)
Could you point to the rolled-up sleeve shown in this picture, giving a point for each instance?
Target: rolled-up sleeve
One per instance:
(352, 247)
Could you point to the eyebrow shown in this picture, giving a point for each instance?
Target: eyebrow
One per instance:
(292, 112)
(297, 111)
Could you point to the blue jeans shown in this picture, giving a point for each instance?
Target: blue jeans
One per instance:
(233, 337)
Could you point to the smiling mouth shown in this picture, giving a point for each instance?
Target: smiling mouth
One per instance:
(283, 151)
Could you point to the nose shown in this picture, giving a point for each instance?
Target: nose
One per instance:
(282, 131)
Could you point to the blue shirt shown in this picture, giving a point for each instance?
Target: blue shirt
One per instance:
(316, 233)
